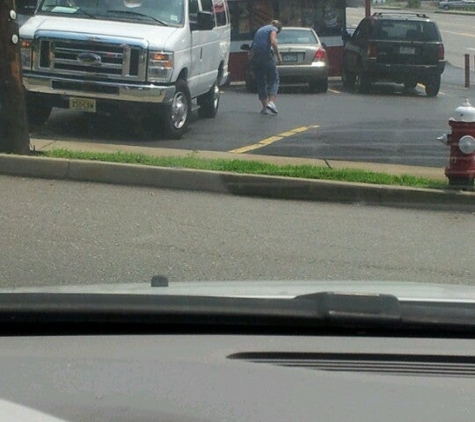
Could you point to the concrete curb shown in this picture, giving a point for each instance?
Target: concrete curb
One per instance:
(234, 184)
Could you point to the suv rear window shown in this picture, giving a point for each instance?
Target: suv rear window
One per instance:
(406, 30)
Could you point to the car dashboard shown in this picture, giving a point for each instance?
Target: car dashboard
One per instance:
(238, 377)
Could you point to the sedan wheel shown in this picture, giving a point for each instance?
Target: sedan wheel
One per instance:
(320, 86)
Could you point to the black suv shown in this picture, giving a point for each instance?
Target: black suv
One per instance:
(403, 48)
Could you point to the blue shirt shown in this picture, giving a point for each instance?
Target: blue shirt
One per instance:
(261, 43)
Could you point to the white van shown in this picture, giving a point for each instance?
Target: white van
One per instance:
(144, 57)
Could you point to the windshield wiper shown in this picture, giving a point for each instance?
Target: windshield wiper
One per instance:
(313, 314)
(89, 15)
(142, 15)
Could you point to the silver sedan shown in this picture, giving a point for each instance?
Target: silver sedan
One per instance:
(304, 59)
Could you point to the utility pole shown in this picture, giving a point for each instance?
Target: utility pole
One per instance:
(14, 137)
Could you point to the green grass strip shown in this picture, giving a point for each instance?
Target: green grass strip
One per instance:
(253, 167)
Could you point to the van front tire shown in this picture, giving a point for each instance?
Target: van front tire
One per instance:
(37, 113)
(176, 117)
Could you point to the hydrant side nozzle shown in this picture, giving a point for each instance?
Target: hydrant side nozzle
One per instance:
(443, 139)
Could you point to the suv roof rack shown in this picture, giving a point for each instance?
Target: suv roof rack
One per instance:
(394, 14)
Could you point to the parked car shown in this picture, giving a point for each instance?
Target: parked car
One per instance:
(304, 60)
(400, 48)
(456, 4)
(157, 59)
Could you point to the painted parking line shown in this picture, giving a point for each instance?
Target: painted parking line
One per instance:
(268, 141)
(462, 34)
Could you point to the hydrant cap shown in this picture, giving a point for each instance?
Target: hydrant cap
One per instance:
(465, 113)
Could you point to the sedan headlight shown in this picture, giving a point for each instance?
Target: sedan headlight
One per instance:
(160, 66)
(467, 144)
(25, 51)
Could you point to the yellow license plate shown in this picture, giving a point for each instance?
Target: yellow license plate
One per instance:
(82, 104)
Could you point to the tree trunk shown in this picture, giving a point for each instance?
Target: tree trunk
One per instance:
(14, 136)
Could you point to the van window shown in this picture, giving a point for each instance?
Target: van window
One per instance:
(193, 8)
(219, 9)
(207, 5)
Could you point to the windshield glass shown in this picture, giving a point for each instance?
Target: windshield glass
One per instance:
(399, 30)
(228, 141)
(295, 36)
(152, 11)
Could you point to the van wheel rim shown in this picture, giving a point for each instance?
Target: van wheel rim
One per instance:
(179, 110)
(215, 96)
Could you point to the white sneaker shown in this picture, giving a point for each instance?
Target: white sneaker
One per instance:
(264, 111)
(271, 106)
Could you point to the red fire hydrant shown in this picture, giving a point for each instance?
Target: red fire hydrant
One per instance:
(461, 168)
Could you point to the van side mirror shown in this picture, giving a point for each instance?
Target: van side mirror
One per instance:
(245, 47)
(205, 21)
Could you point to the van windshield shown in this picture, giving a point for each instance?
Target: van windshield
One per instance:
(168, 12)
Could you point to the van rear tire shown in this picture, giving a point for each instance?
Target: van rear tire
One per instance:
(209, 102)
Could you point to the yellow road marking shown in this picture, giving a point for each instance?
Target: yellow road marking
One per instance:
(334, 91)
(268, 141)
(302, 129)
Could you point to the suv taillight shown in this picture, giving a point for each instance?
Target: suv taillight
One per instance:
(320, 55)
(372, 52)
(441, 52)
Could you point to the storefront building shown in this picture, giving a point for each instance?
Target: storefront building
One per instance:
(326, 17)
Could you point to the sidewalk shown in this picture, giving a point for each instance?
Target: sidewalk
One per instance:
(230, 183)
(427, 172)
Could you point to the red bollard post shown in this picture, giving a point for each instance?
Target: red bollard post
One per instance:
(467, 70)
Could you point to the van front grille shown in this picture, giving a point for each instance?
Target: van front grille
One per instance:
(91, 58)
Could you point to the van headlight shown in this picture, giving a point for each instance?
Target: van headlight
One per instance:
(160, 66)
(25, 51)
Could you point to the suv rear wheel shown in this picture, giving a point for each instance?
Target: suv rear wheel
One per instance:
(348, 78)
(433, 86)
(364, 82)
